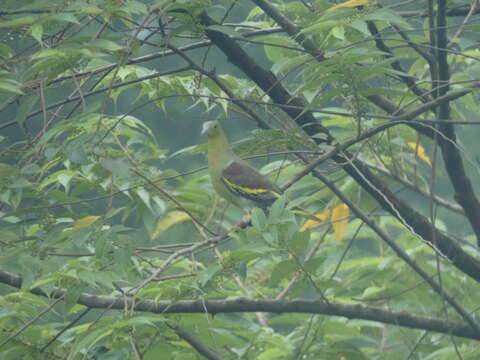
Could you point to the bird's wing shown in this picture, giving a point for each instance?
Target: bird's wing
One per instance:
(245, 181)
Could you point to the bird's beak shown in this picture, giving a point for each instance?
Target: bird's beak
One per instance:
(206, 126)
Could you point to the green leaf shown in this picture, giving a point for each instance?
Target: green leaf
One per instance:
(22, 21)
(91, 339)
(101, 245)
(144, 195)
(299, 243)
(205, 276)
(10, 86)
(77, 154)
(5, 51)
(37, 32)
(360, 26)
(313, 264)
(26, 106)
(388, 15)
(65, 17)
(72, 295)
(282, 270)
(157, 351)
(259, 220)
(277, 210)
(227, 30)
(106, 45)
(338, 32)
(122, 259)
(118, 167)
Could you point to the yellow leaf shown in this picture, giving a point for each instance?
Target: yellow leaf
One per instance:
(351, 3)
(322, 215)
(420, 152)
(86, 221)
(172, 218)
(340, 220)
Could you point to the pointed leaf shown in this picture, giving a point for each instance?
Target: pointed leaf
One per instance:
(86, 221)
(340, 220)
(165, 223)
(259, 220)
(420, 150)
(322, 215)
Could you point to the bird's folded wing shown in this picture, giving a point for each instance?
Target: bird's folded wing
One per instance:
(245, 181)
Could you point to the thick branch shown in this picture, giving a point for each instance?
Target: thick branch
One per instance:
(291, 29)
(464, 192)
(403, 319)
(265, 79)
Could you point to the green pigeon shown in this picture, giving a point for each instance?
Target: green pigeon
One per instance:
(233, 178)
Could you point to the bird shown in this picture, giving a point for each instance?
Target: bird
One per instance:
(233, 178)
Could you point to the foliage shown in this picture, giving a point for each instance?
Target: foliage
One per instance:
(104, 205)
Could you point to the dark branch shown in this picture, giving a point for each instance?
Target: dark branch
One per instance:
(464, 192)
(407, 79)
(196, 344)
(403, 319)
(265, 79)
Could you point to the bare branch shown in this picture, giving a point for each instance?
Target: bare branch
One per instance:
(403, 319)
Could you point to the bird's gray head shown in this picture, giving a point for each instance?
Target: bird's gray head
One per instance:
(211, 128)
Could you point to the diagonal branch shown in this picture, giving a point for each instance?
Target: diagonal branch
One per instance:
(410, 185)
(265, 79)
(195, 343)
(407, 79)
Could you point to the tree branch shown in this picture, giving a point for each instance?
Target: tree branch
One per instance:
(195, 343)
(265, 79)
(464, 192)
(407, 79)
(402, 319)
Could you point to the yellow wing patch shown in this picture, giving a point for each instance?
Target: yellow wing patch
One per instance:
(240, 189)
